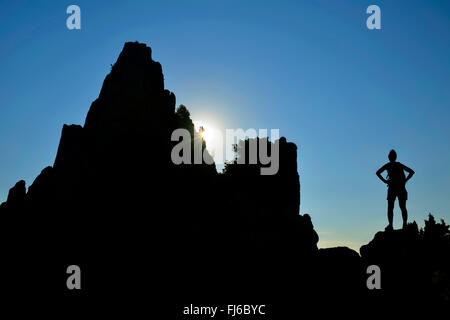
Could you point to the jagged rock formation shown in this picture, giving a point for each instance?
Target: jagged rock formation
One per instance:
(16, 197)
(415, 264)
(114, 198)
(115, 204)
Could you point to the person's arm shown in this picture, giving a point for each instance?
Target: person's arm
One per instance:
(410, 172)
(379, 172)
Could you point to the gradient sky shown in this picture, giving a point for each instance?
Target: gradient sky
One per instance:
(344, 94)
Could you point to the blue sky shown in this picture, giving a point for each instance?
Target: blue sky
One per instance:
(344, 94)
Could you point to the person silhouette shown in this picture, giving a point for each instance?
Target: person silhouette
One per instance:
(396, 182)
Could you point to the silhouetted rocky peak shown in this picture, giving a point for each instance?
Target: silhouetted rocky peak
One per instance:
(134, 56)
(134, 72)
(70, 147)
(17, 193)
(414, 263)
(16, 197)
(132, 99)
(394, 243)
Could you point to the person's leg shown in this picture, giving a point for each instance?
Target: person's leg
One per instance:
(402, 204)
(390, 212)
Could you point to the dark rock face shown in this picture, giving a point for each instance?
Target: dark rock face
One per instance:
(16, 197)
(340, 268)
(114, 198)
(138, 225)
(269, 205)
(70, 149)
(415, 264)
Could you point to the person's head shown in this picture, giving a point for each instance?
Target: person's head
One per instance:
(392, 155)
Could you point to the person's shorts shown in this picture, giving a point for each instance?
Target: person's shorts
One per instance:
(399, 193)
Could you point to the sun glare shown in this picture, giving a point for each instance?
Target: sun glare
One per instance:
(207, 132)
(214, 139)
